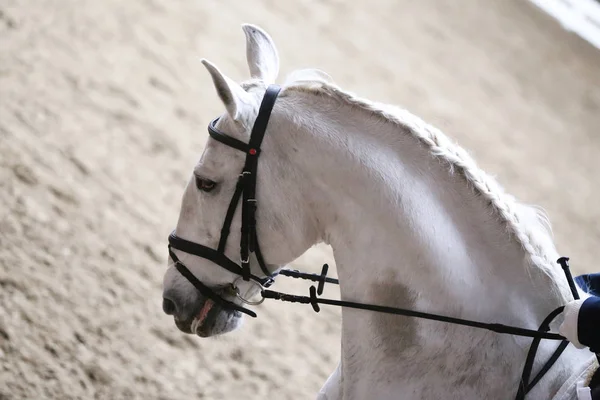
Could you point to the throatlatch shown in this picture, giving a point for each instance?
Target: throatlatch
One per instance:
(249, 245)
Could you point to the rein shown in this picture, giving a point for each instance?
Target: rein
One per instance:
(543, 332)
(245, 192)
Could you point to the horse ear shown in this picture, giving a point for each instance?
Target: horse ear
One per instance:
(261, 54)
(233, 96)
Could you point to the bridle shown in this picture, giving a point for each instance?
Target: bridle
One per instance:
(246, 191)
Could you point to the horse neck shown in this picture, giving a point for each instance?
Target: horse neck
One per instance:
(393, 212)
(407, 232)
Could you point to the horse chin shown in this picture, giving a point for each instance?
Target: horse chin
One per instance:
(215, 321)
(224, 322)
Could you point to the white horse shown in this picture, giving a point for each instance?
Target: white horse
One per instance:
(413, 223)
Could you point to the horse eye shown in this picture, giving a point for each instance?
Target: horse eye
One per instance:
(206, 185)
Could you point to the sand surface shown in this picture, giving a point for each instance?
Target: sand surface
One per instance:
(103, 108)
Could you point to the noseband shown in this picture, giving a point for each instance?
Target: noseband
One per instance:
(246, 191)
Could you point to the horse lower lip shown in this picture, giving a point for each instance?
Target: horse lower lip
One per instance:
(206, 307)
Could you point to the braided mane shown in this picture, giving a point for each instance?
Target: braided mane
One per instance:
(529, 225)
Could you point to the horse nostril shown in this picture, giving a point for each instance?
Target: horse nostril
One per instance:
(169, 307)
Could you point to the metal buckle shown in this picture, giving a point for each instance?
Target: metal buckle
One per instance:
(268, 282)
(236, 290)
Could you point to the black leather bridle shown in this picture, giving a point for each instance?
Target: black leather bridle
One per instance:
(246, 191)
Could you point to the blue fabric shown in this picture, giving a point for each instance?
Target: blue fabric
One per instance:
(588, 324)
(589, 283)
